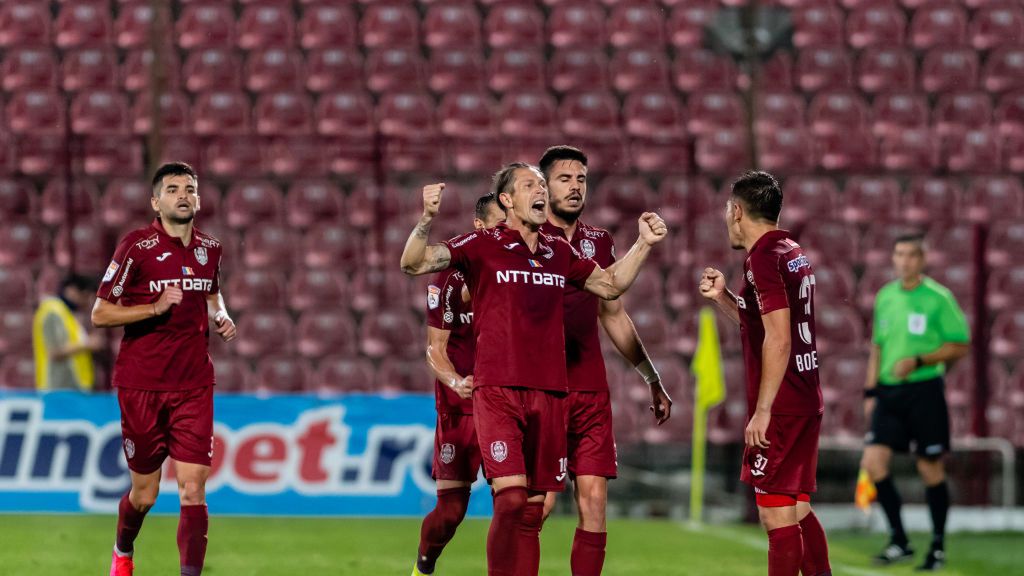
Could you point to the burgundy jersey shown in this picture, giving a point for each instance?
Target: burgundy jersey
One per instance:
(168, 352)
(517, 302)
(447, 311)
(583, 356)
(778, 275)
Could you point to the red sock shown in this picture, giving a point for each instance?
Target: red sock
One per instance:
(502, 543)
(588, 553)
(129, 522)
(815, 548)
(785, 551)
(192, 526)
(529, 539)
(439, 526)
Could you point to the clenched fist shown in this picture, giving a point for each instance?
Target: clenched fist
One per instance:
(712, 284)
(171, 297)
(652, 228)
(432, 199)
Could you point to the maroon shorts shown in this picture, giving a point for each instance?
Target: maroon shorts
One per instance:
(522, 431)
(456, 452)
(789, 465)
(591, 444)
(155, 425)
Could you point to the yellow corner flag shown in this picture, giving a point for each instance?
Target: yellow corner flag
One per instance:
(710, 391)
(866, 492)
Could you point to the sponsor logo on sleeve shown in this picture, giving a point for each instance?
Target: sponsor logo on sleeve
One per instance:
(433, 297)
(464, 241)
(797, 263)
(499, 451)
(111, 271)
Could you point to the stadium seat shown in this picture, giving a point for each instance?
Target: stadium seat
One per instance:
(683, 198)
(23, 245)
(221, 113)
(698, 70)
(886, 69)
(315, 289)
(973, 151)
(390, 334)
(637, 24)
(99, 112)
(455, 69)
(80, 24)
(1005, 244)
(311, 201)
(325, 245)
(248, 204)
(344, 374)
(714, 110)
(817, 25)
(467, 114)
(653, 328)
(999, 24)
(181, 148)
(8, 154)
(838, 328)
(273, 70)
(54, 207)
(679, 293)
(988, 198)
(283, 114)
(256, 290)
(593, 114)
(875, 24)
(323, 332)
(374, 288)
(137, 73)
(854, 151)
(659, 155)
(24, 24)
(394, 69)
(125, 204)
(327, 25)
(266, 25)
(576, 24)
(1006, 289)
(29, 69)
(16, 287)
(834, 283)
(874, 278)
(206, 25)
(778, 109)
(870, 199)
(452, 24)
(333, 69)
(390, 24)
(895, 112)
(232, 375)
(845, 373)
(83, 247)
(109, 155)
(346, 114)
(1012, 150)
(15, 332)
(950, 271)
(829, 241)
(623, 199)
(1004, 70)
(945, 69)
(18, 372)
(406, 114)
(404, 376)
(938, 24)
(720, 151)
(18, 200)
(1007, 335)
(878, 240)
(1009, 114)
(809, 198)
(40, 155)
(786, 150)
(175, 116)
(269, 245)
(281, 375)
(685, 25)
(824, 67)
(931, 199)
(514, 25)
(653, 113)
(135, 22)
(574, 69)
(957, 112)
(521, 69)
(909, 150)
(837, 112)
(212, 69)
(89, 68)
(639, 68)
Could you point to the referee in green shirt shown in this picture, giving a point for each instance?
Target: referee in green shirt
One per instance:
(919, 331)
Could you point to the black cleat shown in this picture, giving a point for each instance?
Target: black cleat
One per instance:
(894, 553)
(933, 561)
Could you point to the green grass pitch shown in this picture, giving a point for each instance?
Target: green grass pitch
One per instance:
(80, 545)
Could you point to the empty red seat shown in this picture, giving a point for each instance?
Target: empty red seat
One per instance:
(221, 113)
(18, 200)
(83, 196)
(28, 69)
(459, 69)
(89, 68)
(637, 23)
(823, 67)
(653, 112)
(653, 327)
(40, 155)
(845, 373)
(838, 328)
(575, 24)
(685, 26)
(898, 111)
(390, 24)
(135, 22)
(639, 68)
(22, 244)
(623, 198)
(82, 24)
(1006, 288)
(694, 70)
(720, 151)
(175, 115)
(265, 25)
(973, 151)
(876, 24)
(993, 197)
(327, 25)
(232, 374)
(1007, 335)
(406, 114)
(851, 151)
(514, 25)
(886, 69)
(181, 148)
(834, 284)
(959, 111)
(786, 150)
(16, 287)
(949, 68)
(323, 332)
(283, 114)
(870, 199)
(268, 246)
(817, 25)
(452, 24)
(578, 69)
(590, 114)
(99, 112)
(405, 376)
(522, 69)
(324, 245)
(1004, 70)
(999, 24)
(526, 113)
(311, 201)
(281, 375)
(256, 290)
(274, 69)
(391, 69)
(315, 289)
(909, 150)
(348, 114)
(1012, 150)
(1009, 114)
(24, 24)
(1005, 243)
(125, 204)
(333, 69)
(938, 24)
(390, 334)
(872, 281)
(876, 245)
(81, 247)
(344, 374)
(828, 241)
(137, 70)
(931, 199)
(294, 155)
(467, 114)
(206, 25)
(951, 251)
(212, 69)
(248, 204)
(809, 198)
(837, 112)
(779, 109)
(15, 332)
(714, 110)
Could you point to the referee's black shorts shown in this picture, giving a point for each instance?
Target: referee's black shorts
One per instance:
(912, 415)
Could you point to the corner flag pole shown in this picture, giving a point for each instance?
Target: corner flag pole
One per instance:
(710, 391)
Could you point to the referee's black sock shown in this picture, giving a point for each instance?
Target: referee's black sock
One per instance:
(938, 504)
(891, 503)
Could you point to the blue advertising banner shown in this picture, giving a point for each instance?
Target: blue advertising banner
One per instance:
(356, 455)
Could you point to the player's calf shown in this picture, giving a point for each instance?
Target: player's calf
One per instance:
(785, 540)
(502, 545)
(440, 525)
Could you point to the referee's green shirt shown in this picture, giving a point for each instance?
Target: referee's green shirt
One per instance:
(910, 323)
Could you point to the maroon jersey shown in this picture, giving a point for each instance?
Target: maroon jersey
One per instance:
(517, 302)
(447, 311)
(778, 275)
(583, 357)
(168, 352)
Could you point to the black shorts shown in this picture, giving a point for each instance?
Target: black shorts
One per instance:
(912, 414)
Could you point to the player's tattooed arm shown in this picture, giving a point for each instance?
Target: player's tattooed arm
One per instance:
(441, 365)
(418, 257)
(713, 287)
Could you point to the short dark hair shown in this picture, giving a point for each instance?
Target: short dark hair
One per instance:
(79, 281)
(559, 153)
(482, 203)
(910, 238)
(760, 193)
(172, 169)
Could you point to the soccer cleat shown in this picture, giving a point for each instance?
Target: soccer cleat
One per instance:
(933, 561)
(121, 565)
(894, 553)
(416, 571)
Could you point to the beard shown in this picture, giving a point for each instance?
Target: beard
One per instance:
(567, 214)
(174, 219)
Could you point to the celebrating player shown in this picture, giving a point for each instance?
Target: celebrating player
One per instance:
(776, 312)
(450, 348)
(517, 275)
(163, 287)
(591, 445)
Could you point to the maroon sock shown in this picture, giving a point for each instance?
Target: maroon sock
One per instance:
(529, 539)
(129, 522)
(439, 526)
(785, 551)
(502, 545)
(588, 553)
(815, 548)
(192, 526)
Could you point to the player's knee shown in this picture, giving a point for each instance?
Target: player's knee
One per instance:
(874, 465)
(192, 493)
(932, 471)
(144, 499)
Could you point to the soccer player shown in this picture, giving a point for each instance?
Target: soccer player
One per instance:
(776, 313)
(450, 348)
(591, 444)
(163, 287)
(918, 331)
(517, 276)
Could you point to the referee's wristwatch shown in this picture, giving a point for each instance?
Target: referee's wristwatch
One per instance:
(918, 362)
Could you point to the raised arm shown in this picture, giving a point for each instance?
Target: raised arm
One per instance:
(418, 256)
(106, 314)
(610, 283)
(622, 332)
(713, 287)
(441, 365)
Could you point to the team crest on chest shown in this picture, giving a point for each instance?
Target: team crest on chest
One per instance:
(547, 251)
(201, 256)
(499, 451)
(588, 248)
